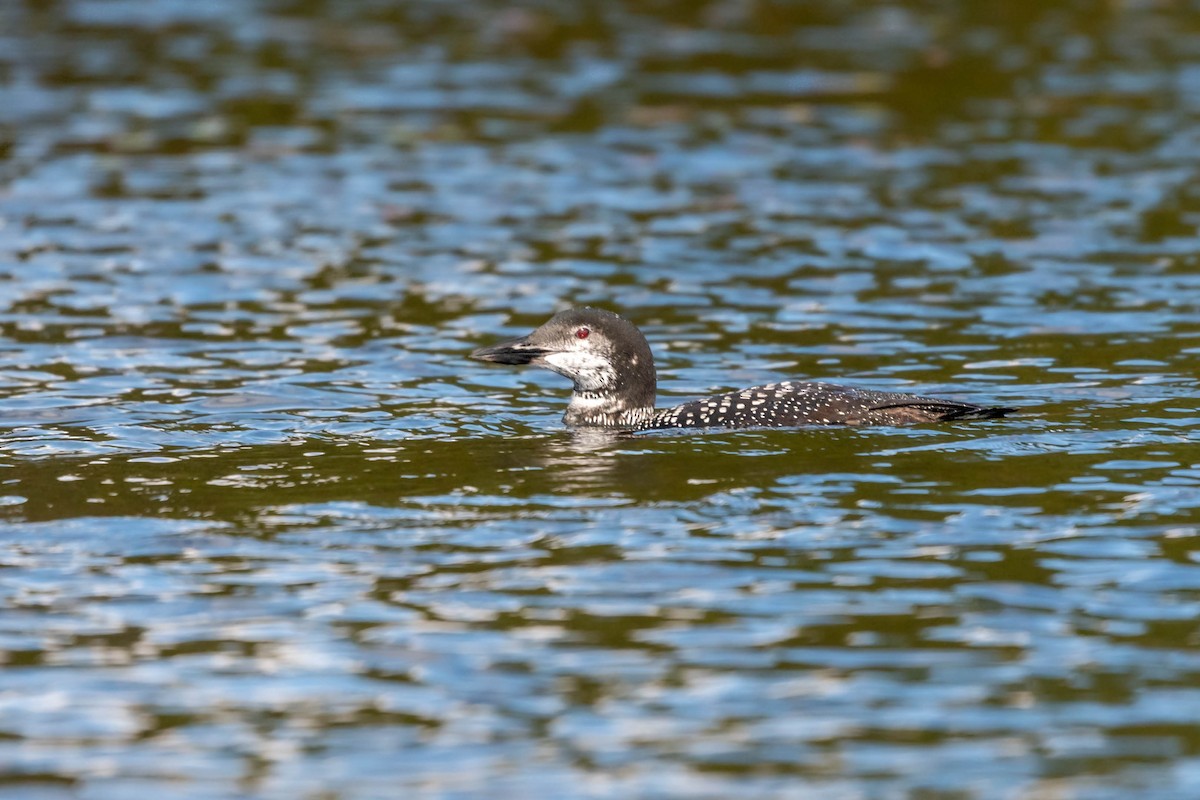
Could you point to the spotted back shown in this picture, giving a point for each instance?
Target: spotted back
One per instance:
(794, 403)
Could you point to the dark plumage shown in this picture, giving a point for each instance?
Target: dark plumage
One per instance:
(609, 362)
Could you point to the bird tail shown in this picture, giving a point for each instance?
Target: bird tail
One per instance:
(933, 411)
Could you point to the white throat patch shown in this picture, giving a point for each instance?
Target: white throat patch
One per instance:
(589, 371)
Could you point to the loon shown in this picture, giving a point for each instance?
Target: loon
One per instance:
(609, 361)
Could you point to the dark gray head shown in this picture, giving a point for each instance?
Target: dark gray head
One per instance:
(606, 358)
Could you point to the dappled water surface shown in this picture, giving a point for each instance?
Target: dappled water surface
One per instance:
(266, 532)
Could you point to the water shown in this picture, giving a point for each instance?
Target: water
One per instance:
(266, 532)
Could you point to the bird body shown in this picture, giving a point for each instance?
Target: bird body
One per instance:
(612, 370)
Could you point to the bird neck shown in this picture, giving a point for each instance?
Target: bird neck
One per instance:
(624, 398)
(608, 410)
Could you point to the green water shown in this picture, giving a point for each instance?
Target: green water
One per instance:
(265, 531)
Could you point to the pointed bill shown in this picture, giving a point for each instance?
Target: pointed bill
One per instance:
(517, 351)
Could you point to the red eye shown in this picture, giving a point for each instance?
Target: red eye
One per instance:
(582, 333)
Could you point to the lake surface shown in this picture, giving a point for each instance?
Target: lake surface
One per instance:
(265, 531)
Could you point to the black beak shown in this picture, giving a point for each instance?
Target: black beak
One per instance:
(518, 351)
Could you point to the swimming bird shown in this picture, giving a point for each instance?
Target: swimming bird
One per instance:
(610, 364)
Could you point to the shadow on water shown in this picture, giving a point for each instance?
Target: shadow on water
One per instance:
(1026, 456)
